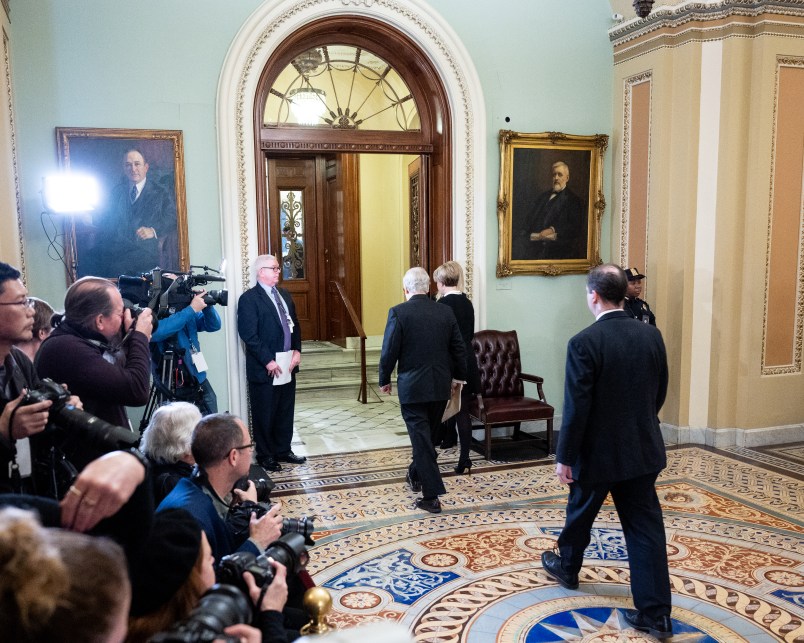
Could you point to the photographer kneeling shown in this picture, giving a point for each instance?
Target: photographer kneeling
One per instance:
(222, 450)
(175, 570)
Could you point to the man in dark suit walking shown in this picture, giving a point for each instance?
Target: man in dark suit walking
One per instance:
(267, 324)
(424, 339)
(616, 381)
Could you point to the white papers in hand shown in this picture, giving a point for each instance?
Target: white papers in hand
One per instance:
(283, 361)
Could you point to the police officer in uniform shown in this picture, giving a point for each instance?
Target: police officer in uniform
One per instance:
(634, 306)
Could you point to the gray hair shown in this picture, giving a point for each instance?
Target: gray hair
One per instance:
(416, 280)
(169, 435)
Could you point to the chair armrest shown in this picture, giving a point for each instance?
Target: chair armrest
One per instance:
(535, 379)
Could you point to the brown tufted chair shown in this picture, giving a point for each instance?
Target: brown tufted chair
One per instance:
(502, 400)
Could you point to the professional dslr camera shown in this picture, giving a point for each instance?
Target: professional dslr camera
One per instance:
(239, 516)
(228, 603)
(164, 295)
(53, 473)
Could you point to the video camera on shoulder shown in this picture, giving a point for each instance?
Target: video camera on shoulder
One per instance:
(165, 295)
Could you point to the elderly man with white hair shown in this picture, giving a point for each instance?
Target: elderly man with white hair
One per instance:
(166, 443)
(424, 340)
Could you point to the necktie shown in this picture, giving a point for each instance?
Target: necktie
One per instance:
(283, 317)
(133, 193)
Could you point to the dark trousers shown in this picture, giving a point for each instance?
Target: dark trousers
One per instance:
(424, 424)
(641, 518)
(272, 409)
(209, 401)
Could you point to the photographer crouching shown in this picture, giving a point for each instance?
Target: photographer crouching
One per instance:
(231, 517)
(101, 354)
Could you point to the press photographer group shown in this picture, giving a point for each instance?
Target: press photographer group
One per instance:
(209, 555)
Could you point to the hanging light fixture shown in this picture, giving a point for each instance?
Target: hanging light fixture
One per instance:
(308, 104)
(643, 7)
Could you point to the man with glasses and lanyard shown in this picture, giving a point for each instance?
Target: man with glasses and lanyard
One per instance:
(222, 451)
(269, 328)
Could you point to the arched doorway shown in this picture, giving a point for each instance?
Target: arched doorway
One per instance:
(263, 34)
(313, 160)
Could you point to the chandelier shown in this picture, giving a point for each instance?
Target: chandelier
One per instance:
(308, 104)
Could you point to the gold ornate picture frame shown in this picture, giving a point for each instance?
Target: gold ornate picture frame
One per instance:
(550, 203)
(126, 234)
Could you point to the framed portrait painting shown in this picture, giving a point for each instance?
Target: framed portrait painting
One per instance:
(140, 221)
(550, 203)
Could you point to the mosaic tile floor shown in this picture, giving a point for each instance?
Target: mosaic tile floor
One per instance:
(734, 523)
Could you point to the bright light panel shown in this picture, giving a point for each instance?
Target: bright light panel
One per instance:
(71, 193)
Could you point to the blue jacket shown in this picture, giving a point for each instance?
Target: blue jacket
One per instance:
(188, 496)
(185, 326)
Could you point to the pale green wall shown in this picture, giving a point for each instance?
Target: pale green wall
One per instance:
(155, 64)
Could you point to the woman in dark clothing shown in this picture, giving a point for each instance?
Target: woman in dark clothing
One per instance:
(449, 281)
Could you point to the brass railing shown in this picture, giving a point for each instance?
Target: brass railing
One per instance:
(362, 397)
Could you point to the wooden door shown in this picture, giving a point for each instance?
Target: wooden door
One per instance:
(341, 243)
(294, 212)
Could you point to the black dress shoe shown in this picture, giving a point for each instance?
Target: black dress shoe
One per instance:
(433, 506)
(552, 565)
(269, 464)
(415, 485)
(292, 458)
(661, 628)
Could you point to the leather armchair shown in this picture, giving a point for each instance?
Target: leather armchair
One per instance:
(502, 400)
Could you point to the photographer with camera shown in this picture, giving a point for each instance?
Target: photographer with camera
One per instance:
(176, 569)
(222, 450)
(180, 330)
(100, 353)
(102, 487)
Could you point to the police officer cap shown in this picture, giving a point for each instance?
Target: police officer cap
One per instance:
(633, 274)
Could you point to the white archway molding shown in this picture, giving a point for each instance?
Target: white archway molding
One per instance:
(250, 51)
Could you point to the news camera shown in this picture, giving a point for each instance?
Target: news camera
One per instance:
(166, 293)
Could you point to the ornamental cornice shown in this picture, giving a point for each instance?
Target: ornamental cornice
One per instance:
(704, 12)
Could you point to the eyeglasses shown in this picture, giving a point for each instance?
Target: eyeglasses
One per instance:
(274, 268)
(250, 445)
(28, 302)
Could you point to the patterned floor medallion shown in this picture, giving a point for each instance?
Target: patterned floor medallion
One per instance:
(735, 545)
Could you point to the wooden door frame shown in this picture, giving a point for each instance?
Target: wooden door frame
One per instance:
(416, 69)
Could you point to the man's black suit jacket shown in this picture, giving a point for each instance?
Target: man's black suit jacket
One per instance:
(261, 331)
(615, 384)
(424, 339)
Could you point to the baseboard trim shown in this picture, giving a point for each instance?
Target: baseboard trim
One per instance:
(731, 437)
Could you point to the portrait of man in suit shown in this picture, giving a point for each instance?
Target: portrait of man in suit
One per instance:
(552, 224)
(140, 219)
(423, 341)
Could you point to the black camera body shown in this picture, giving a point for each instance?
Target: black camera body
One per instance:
(220, 607)
(288, 550)
(165, 296)
(53, 472)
